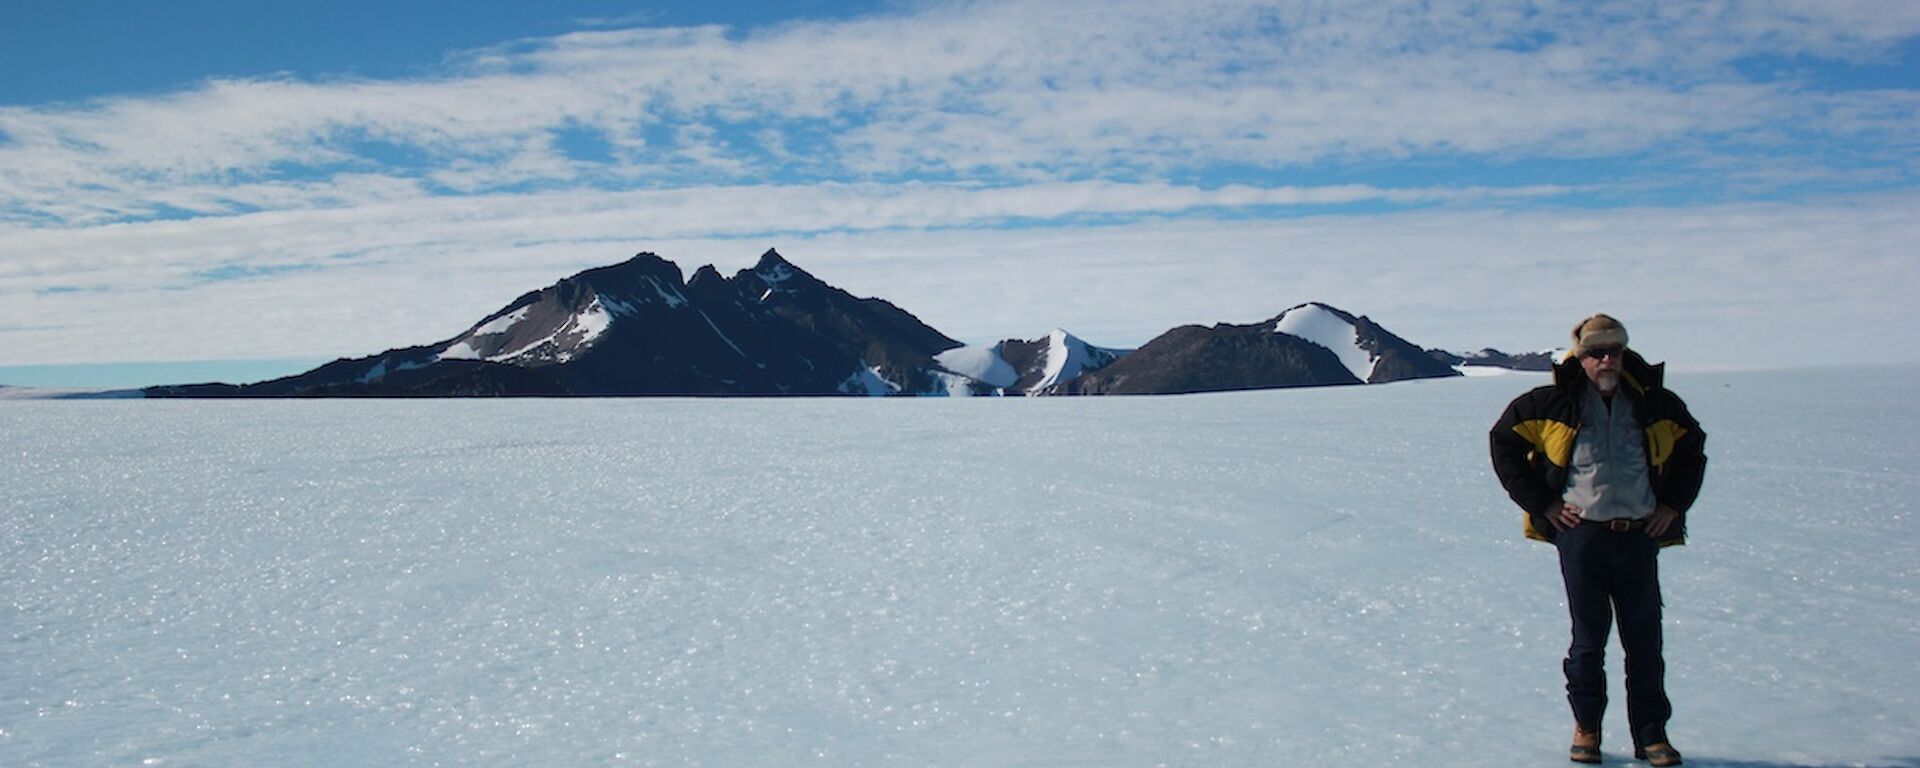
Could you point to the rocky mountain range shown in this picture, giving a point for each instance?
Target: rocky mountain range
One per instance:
(637, 329)
(1493, 358)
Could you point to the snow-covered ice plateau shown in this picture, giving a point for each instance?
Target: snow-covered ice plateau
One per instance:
(1305, 577)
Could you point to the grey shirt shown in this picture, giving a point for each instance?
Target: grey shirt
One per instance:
(1608, 478)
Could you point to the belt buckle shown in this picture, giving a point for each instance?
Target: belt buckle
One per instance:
(1620, 525)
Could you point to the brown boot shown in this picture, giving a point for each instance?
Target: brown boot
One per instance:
(1586, 745)
(1658, 754)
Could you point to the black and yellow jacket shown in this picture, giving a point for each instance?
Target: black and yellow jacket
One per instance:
(1533, 442)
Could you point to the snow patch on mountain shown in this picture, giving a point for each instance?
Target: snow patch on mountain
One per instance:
(672, 296)
(501, 324)
(949, 384)
(578, 332)
(776, 274)
(982, 364)
(464, 349)
(592, 321)
(524, 349)
(1067, 358)
(617, 307)
(868, 381)
(1318, 324)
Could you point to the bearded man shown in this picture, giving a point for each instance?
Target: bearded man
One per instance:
(1605, 461)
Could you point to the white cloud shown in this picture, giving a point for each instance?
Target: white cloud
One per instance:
(985, 90)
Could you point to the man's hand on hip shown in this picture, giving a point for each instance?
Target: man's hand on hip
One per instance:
(1662, 519)
(1566, 517)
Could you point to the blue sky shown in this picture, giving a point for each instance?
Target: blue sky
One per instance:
(192, 188)
(80, 49)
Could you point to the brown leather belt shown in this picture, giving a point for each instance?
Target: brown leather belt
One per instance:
(1619, 525)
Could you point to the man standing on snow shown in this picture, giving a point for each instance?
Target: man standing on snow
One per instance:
(1605, 462)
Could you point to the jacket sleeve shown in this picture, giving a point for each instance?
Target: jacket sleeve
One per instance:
(1511, 463)
(1686, 470)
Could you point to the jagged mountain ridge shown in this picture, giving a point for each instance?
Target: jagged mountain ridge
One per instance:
(1026, 366)
(637, 329)
(1308, 345)
(1493, 358)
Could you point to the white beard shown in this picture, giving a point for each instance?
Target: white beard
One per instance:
(1606, 382)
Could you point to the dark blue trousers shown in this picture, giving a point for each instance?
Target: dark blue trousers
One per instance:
(1615, 574)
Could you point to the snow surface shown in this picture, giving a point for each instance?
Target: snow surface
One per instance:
(1321, 577)
(982, 364)
(1314, 323)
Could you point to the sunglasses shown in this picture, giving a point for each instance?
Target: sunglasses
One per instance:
(1597, 353)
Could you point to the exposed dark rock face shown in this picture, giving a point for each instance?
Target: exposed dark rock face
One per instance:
(635, 328)
(1222, 358)
(1029, 357)
(1396, 359)
(805, 314)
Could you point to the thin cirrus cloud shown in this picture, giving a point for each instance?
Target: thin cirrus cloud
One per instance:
(101, 256)
(1058, 120)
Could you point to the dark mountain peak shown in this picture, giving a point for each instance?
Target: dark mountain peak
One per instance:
(625, 275)
(774, 272)
(648, 260)
(773, 267)
(771, 259)
(1321, 306)
(705, 277)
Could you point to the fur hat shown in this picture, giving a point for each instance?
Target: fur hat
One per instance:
(1598, 331)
